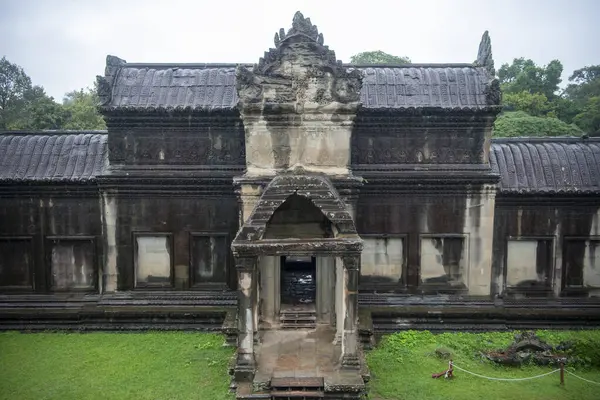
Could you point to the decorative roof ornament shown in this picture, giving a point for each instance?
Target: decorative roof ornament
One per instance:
(105, 83)
(484, 55)
(301, 27)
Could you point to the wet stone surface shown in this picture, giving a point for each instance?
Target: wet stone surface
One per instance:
(303, 354)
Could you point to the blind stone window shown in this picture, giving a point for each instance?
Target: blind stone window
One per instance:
(16, 262)
(153, 260)
(443, 260)
(382, 259)
(529, 263)
(582, 263)
(72, 264)
(209, 259)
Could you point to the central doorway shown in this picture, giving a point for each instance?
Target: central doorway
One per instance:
(298, 280)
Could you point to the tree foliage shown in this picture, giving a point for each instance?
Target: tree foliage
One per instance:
(533, 89)
(519, 123)
(81, 107)
(535, 104)
(378, 57)
(14, 83)
(589, 118)
(28, 107)
(524, 75)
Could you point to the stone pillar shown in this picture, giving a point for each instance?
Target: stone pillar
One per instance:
(339, 300)
(108, 279)
(325, 300)
(269, 267)
(350, 358)
(245, 365)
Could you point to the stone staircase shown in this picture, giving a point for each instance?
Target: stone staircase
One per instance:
(298, 317)
(297, 389)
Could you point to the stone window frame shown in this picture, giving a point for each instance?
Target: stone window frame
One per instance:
(402, 285)
(171, 243)
(228, 258)
(438, 288)
(551, 268)
(31, 287)
(51, 241)
(573, 290)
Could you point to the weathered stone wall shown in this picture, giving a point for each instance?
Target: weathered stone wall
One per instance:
(190, 231)
(380, 139)
(177, 140)
(544, 247)
(50, 242)
(418, 221)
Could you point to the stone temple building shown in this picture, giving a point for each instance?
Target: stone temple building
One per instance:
(341, 201)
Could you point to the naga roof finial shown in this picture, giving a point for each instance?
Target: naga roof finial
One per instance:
(484, 55)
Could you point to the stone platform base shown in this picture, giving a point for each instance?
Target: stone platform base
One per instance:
(303, 355)
(126, 311)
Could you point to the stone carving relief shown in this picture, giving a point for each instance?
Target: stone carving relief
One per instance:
(300, 69)
(403, 147)
(298, 104)
(177, 148)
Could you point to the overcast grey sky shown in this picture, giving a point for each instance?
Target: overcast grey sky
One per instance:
(62, 44)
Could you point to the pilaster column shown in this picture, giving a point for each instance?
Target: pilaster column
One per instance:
(246, 270)
(350, 358)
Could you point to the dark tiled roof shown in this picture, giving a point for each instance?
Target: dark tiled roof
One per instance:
(527, 166)
(212, 86)
(547, 165)
(414, 87)
(198, 88)
(52, 156)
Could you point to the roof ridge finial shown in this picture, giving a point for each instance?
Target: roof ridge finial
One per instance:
(484, 55)
(300, 27)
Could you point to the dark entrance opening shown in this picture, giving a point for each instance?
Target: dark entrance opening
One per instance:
(298, 280)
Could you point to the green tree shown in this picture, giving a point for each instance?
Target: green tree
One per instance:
(378, 57)
(39, 111)
(535, 104)
(589, 118)
(14, 83)
(519, 123)
(524, 75)
(81, 106)
(585, 83)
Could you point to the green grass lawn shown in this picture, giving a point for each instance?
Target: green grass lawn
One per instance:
(402, 364)
(113, 366)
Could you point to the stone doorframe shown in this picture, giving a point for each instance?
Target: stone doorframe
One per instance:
(249, 245)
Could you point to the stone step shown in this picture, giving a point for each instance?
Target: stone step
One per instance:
(298, 326)
(290, 383)
(299, 312)
(288, 317)
(297, 388)
(254, 396)
(297, 395)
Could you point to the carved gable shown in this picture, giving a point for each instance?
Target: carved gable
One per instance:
(298, 104)
(299, 72)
